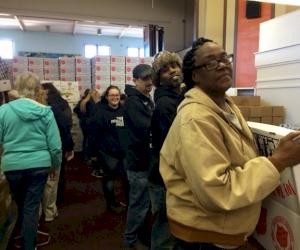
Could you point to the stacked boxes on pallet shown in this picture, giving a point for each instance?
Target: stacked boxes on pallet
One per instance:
(100, 73)
(131, 62)
(51, 69)
(20, 65)
(117, 71)
(36, 66)
(67, 68)
(83, 73)
(252, 110)
(279, 220)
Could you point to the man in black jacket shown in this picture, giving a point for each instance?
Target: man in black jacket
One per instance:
(138, 112)
(167, 80)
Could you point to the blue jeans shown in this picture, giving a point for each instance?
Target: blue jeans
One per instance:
(27, 188)
(139, 204)
(161, 238)
(183, 245)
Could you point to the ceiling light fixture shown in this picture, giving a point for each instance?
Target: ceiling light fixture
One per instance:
(99, 32)
(285, 2)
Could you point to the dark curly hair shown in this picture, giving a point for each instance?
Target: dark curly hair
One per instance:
(188, 62)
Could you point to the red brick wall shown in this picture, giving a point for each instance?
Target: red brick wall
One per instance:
(247, 44)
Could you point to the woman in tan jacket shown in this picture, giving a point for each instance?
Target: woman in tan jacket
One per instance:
(214, 178)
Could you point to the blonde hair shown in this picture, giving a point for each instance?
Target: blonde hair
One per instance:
(28, 85)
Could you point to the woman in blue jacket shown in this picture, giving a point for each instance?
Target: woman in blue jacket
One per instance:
(31, 150)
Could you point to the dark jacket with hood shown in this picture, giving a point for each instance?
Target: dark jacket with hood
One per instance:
(137, 114)
(63, 116)
(166, 101)
(108, 124)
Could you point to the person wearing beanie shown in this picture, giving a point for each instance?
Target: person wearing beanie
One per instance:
(167, 80)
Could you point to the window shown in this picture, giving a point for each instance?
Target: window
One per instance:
(6, 49)
(135, 52)
(142, 52)
(91, 50)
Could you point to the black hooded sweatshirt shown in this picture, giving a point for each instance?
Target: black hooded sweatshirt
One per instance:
(138, 110)
(166, 102)
(107, 125)
(63, 116)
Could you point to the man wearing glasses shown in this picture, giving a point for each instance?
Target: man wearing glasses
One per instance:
(215, 181)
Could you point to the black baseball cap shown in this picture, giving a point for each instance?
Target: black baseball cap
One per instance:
(142, 71)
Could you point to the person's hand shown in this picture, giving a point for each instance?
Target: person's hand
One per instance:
(69, 155)
(53, 174)
(287, 152)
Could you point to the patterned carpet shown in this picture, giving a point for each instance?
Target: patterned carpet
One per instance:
(83, 222)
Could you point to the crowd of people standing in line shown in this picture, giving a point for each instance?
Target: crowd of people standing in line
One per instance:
(188, 156)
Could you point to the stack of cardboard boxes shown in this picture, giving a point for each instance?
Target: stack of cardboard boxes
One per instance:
(67, 68)
(36, 66)
(83, 73)
(130, 63)
(20, 65)
(252, 110)
(117, 71)
(100, 73)
(51, 69)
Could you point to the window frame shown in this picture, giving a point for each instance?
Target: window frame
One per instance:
(139, 52)
(97, 47)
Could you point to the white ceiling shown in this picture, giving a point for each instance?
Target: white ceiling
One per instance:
(68, 26)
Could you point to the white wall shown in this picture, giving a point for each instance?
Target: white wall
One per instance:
(278, 64)
(167, 13)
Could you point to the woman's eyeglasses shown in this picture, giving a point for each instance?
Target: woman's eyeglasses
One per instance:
(215, 63)
(114, 95)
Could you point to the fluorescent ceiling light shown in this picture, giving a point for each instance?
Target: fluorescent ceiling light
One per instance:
(8, 22)
(285, 2)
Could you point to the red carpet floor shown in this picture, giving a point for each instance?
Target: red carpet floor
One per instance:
(83, 222)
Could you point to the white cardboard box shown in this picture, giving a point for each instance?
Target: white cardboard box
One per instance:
(101, 60)
(5, 85)
(117, 60)
(117, 79)
(278, 227)
(48, 62)
(288, 192)
(129, 80)
(146, 60)
(101, 68)
(117, 69)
